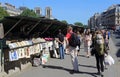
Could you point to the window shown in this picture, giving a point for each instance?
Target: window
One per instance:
(117, 9)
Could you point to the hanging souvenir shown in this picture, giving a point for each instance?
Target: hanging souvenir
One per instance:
(22, 55)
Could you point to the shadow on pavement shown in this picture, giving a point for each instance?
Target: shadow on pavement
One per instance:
(118, 53)
(117, 37)
(118, 44)
(82, 55)
(87, 66)
(69, 70)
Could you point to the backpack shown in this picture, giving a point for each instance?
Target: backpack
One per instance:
(74, 40)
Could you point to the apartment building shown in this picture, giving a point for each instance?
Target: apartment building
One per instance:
(95, 21)
(109, 18)
(12, 10)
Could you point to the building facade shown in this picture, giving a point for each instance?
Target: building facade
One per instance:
(22, 8)
(95, 21)
(12, 10)
(109, 18)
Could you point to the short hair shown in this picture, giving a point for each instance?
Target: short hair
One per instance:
(69, 28)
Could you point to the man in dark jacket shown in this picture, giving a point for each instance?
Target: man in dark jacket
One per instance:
(60, 39)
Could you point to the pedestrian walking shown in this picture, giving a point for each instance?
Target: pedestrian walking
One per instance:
(72, 47)
(79, 44)
(87, 42)
(100, 50)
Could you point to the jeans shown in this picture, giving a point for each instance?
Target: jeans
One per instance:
(99, 62)
(61, 50)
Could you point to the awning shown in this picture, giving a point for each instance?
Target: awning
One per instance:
(16, 27)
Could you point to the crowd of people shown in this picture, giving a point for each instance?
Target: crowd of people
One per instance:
(95, 43)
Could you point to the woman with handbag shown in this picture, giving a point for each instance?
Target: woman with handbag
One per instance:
(100, 50)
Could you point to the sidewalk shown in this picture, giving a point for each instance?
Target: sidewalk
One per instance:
(62, 68)
(114, 70)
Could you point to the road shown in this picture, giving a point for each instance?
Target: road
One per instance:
(62, 68)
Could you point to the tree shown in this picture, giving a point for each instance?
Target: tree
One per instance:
(64, 21)
(78, 24)
(29, 13)
(3, 13)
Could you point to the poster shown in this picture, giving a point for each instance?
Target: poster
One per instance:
(13, 55)
(27, 52)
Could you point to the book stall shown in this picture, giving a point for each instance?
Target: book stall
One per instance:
(19, 52)
(24, 49)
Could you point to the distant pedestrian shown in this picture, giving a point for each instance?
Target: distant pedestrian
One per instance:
(60, 39)
(72, 49)
(79, 44)
(106, 36)
(87, 42)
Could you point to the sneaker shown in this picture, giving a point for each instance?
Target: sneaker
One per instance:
(102, 74)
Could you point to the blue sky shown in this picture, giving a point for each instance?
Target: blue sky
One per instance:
(70, 10)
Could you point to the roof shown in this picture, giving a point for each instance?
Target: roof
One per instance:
(27, 27)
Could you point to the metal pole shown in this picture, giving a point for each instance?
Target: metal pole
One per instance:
(2, 55)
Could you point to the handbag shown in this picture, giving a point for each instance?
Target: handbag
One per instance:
(93, 51)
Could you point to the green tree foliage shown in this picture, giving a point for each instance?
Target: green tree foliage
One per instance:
(64, 21)
(3, 13)
(29, 13)
(78, 24)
